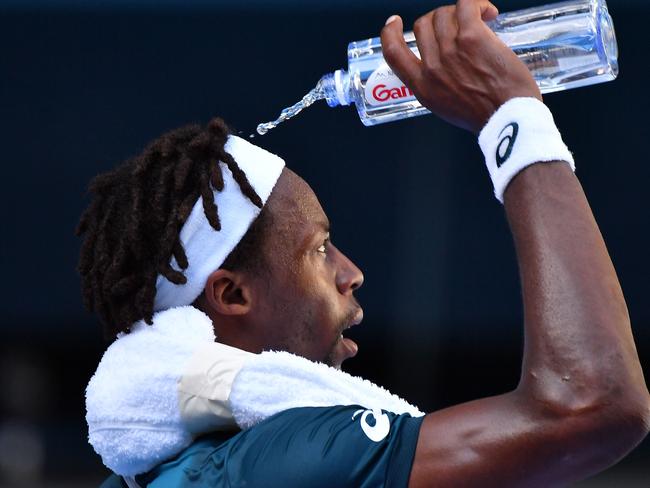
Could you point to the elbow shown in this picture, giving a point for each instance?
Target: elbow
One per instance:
(623, 425)
(634, 413)
(627, 418)
(609, 428)
(600, 428)
(608, 401)
(617, 429)
(628, 414)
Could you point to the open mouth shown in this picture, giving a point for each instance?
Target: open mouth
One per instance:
(355, 319)
(350, 348)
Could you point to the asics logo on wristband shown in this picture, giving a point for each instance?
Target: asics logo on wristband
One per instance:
(505, 146)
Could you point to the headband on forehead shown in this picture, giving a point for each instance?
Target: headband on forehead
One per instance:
(207, 248)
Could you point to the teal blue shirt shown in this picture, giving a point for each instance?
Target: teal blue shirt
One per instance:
(328, 447)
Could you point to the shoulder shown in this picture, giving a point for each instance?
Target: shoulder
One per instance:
(312, 425)
(312, 446)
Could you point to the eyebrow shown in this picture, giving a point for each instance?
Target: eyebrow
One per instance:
(324, 224)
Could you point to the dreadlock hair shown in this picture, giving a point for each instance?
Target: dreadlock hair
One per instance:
(132, 225)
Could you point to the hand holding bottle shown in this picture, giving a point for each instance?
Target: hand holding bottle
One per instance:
(466, 72)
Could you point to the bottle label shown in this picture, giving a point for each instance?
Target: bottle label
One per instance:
(384, 88)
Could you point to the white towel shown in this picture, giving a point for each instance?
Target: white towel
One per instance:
(138, 416)
(276, 381)
(132, 409)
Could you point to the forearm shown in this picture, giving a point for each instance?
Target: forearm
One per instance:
(579, 349)
(582, 402)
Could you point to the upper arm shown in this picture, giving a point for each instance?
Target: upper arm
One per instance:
(508, 440)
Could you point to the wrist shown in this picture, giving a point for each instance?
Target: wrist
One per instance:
(520, 133)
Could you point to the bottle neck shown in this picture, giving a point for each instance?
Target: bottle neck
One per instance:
(336, 88)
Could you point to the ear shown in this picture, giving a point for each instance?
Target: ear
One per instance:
(228, 293)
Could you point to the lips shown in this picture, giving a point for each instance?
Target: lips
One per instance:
(347, 348)
(350, 348)
(356, 319)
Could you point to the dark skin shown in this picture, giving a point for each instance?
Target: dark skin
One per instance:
(303, 301)
(582, 402)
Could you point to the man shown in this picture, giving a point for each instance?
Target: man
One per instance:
(581, 404)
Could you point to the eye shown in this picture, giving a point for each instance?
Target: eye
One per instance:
(323, 247)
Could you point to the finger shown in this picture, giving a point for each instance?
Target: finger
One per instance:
(426, 40)
(399, 57)
(446, 28)
(490, 13)
(471, 13)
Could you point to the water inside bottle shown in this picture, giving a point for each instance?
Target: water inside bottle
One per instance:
(569, 46)
(313, 96)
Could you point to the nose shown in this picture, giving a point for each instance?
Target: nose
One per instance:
(348, 276)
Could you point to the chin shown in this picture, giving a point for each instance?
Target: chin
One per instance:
(335, 362)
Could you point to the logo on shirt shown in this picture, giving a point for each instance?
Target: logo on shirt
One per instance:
(504, 149)
(374, 424)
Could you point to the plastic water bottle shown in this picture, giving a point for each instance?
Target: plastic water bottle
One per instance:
(565, 45)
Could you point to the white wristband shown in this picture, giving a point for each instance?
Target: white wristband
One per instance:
(522, 132)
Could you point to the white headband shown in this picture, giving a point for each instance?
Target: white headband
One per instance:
(207, 248)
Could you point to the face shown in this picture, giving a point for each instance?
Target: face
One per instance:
(305, 301)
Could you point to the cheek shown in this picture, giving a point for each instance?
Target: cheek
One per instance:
(321, 296)
(309, 299)
(315, 314)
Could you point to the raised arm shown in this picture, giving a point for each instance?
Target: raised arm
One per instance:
(582, 402)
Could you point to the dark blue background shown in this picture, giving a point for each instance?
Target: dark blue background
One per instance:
(84, 85)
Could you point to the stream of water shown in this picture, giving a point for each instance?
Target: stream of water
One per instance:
(313, 96)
